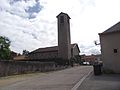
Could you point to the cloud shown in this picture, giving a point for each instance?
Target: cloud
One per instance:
(89, 48)
(23, 32)
(33, 10)
(22, 8)
(31, 24)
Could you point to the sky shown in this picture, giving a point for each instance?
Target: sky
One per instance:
(32, 24)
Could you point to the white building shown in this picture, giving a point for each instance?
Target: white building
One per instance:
(110, 49)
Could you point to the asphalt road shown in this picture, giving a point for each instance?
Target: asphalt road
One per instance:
(102, 82)
(57, 80)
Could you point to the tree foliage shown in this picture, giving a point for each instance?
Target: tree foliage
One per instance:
(25, 52)
(4, 48)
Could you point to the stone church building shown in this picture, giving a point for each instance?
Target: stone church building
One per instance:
(110, 49)
(65, 50)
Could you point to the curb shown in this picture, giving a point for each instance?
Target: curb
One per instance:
(80, 82)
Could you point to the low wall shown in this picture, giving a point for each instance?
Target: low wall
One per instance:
(20, 67)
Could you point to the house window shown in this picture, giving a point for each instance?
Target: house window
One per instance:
(115, 50)
(62, 19)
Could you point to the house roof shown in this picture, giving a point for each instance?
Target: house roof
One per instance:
(51, 49)
(75, 44)
(21, 57)
(115, 28)
(13, 53)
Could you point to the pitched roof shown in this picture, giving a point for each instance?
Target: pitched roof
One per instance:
(63, 14)
(46, 49)
(113, 29)
(75, 44)
(51, 49)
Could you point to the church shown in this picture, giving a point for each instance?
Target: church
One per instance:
(65, 51)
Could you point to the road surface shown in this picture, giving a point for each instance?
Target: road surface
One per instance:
(102, 82)
(57, 80)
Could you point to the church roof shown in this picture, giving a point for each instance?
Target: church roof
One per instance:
(63, 14)
(51, 49)
(115, 28)
(46, 49)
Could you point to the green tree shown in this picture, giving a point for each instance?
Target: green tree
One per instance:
(4, 48)
(25, 52)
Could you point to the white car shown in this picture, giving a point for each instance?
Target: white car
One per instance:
(86, 63)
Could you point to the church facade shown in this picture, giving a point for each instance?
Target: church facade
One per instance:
(52, 53)
(65, 50)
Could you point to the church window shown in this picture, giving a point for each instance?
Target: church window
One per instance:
(115, 50)
(68, 20)
(62, 19)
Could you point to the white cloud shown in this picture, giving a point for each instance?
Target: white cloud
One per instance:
(88, 18)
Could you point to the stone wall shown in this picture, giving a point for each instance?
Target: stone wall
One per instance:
(20, 67)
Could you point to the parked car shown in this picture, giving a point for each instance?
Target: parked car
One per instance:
(86, 63)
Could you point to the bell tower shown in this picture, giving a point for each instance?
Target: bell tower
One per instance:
(64, 40)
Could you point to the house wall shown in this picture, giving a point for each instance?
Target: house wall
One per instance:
(90, 58)
(111, 60)
(44, 55)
